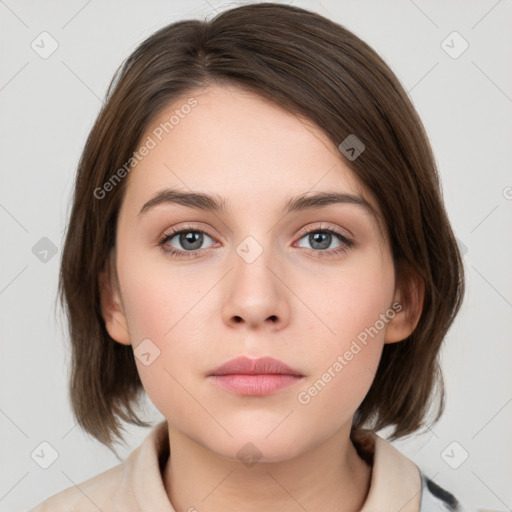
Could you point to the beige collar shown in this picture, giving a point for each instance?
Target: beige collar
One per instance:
(395, 481)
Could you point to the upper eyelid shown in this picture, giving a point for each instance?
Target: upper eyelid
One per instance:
(176, 231)
(336, 230)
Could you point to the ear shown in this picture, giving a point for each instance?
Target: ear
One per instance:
(409, 297)
(112, 308)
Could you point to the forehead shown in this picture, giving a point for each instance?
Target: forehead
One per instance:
(239, 146)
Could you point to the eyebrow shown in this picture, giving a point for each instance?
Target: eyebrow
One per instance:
(214, 203)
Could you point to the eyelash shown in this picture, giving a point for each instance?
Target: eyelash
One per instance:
(346, 242)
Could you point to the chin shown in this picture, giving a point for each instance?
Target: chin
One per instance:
(254, 444)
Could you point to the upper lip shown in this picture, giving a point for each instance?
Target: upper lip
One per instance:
(262, 366)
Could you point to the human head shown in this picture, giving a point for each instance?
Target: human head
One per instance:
(312, 68)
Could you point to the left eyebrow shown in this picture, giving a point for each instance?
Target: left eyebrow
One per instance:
(207, 202)
(320, 199)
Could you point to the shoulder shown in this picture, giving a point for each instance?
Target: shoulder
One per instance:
(397, 483)
(91, 495)
(135, 484)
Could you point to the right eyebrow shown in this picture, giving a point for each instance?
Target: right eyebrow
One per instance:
(197, 200)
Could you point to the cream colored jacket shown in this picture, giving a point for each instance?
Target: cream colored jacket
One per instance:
(136, 485)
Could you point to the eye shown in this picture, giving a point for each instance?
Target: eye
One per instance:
(179, 242)
(322, 240)
(188, 241)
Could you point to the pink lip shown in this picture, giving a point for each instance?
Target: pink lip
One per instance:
(255, 377)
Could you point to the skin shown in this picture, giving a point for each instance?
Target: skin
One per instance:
(293, 303)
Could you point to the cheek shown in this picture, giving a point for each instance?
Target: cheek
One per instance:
(157, 296)
(167, 322)
(344, 369)
(354, 307)
(348, 305)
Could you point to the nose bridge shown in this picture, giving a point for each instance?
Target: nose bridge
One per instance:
(252, 261)
(250, 249)
(256, 223)
(255, 294)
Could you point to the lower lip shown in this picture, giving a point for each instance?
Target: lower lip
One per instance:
(255, 385)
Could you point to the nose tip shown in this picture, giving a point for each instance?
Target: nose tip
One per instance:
(238, 319)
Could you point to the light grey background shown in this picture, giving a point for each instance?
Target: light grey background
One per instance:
(47, 109)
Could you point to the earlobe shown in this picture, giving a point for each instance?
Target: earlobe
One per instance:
(112, 309)
(406, 316)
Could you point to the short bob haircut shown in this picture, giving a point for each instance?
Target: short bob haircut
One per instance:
(313, 68)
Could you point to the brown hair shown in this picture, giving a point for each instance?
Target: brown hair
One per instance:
(311, 67)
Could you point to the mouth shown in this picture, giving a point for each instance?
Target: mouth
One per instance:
(254, 377)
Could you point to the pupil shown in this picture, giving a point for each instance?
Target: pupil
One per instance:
(193, 238)
(320, 240)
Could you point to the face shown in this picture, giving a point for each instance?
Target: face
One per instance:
(312, 286)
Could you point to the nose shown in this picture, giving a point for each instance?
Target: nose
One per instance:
(256, 294)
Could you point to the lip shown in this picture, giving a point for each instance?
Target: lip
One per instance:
(255, 377)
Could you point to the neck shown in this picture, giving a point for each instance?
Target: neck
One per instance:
(329, 476)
